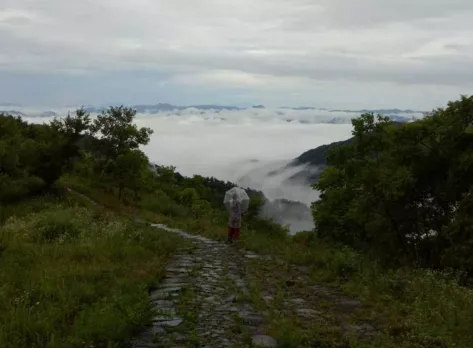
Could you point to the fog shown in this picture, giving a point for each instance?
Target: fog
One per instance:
(250, 151)
(235, 144)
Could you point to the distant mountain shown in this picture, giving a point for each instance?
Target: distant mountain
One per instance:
(212, 107)
(155, 108)
(258, 106)
(48, 114)
(12, 112)
(301, 108)
(318, 156)
(382, 111)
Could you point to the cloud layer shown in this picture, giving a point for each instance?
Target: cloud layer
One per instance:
(333, 53)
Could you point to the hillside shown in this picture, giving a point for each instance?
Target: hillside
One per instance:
(99, 248)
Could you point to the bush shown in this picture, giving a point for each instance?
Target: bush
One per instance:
(54, 227)
(267, 227)
(161, 203)
(13, 190)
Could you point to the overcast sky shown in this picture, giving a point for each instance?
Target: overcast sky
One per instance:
(326, 53)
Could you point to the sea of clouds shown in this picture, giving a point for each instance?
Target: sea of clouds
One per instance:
(242, 146)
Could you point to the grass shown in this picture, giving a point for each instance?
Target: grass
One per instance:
(408, 307)
(76, 275)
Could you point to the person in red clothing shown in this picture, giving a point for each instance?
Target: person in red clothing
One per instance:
(234, 221)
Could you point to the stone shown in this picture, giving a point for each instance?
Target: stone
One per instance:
(158, 295)
(251, 318)
(171, 323)
(170, 289)
(178, 338)
(290, 282)
(157, 331)
(177, 270)
(297, 301)
(307, 312)
(362, 329)
(264, 341)
(318, 288)
(210, 299)
(304, 270)
(352, 304)
(163, 304)
(164, 317)
(268, 298)
(230, 299)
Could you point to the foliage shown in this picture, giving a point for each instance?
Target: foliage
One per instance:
(402, 192)
(117, 131)
(31, 157)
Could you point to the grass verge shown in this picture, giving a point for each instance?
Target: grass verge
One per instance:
(76, 276)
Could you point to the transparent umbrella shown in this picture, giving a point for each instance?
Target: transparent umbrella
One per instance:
(240, 195)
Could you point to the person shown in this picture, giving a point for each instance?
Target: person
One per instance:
(234, 221)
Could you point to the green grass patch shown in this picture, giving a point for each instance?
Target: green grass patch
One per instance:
(74, 276)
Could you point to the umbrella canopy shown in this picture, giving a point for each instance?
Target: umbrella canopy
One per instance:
(240, 195)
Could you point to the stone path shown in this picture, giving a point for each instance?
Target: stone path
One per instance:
(203, 300)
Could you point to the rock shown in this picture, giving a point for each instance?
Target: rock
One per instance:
(163, 304)
(290, 282)
(351, 304)
(252, 319)
(230, 299)
(161, 318)
(268, 298)
(304, 270)
(157, 331)
(171, 323)
(362, 329)
(158, 295)
(264, 341)
(297, 301)
(307, 312)
(177, 270)
(178, 338)
(318, 288)
(170, 289)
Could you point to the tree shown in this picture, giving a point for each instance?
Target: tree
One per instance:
(402, 191)
(127, 171)
(117, 131)
(123, 163)
(73, 126)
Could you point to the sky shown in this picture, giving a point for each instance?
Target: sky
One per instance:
(326, 53)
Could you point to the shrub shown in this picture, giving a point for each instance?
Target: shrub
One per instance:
(161, 203)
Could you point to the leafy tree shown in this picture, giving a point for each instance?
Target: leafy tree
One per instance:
(118, 132)
(126, 171)
(73, 126)
(402, 191)
(122, 163)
